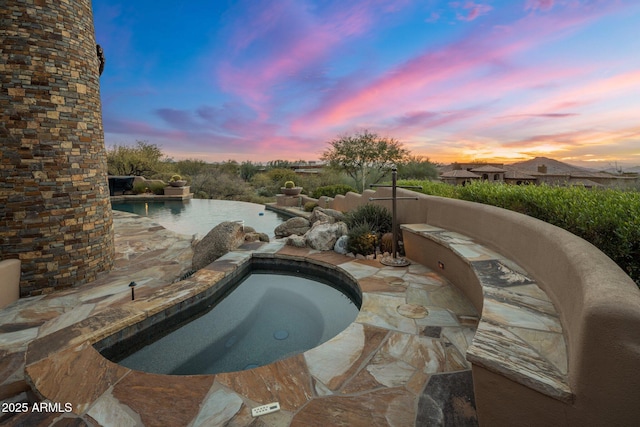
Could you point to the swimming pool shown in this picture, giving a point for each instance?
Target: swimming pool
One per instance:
(199, 216)
(275, 309)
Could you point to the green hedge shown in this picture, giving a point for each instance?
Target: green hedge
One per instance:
(609, 219)
(332, 190)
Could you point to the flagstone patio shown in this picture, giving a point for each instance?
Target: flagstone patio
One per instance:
(402, 362)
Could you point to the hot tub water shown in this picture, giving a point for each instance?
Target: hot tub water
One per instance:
(266, 318)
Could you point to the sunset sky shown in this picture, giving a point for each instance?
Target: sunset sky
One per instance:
(502, 80)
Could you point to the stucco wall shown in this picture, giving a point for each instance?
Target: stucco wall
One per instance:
(598, 303)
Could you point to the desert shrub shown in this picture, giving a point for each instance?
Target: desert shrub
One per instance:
(220, 185)
(140, 188)
(376, 216)
(417, 167)
(157, 188)
(362, 239)
(191, 167)
(264, 186)
(248, 169)
(268, 184)
(280, 175)
(201, 195)
(309, 206)
(332, 190)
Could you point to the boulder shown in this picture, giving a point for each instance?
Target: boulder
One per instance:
(341, 245)
(323, 236)
(254, 236)
(339, 216)
(224, 237)
(297, 225)
(318, 216)
(296, 241)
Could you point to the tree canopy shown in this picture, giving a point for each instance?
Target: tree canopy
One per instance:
(143, 159)
(366, 157)
(417, 167)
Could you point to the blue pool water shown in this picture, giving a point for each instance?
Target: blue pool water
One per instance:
(266, 318)
(199, 216)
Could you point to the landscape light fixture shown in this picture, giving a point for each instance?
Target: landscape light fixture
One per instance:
(132, 285)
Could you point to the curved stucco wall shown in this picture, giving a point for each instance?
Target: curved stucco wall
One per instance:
(55, 213)
(599, 305)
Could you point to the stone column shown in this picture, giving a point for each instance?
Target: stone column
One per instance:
(55, 212)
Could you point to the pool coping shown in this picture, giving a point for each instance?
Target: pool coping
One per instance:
(383, 355)
(126, 341)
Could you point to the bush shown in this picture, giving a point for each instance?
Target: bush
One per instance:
(377, 217)
(416, 167)
(332, 190)
(140, 188)
(433, 188)
(157, 188)
(310, 206)
(607, 218)
(280, 175)
(362, 239)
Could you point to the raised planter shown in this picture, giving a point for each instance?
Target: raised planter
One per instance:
(178, 183)
(295, 191)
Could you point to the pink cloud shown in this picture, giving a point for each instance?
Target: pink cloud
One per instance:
(138, 130)
(480, 67)
(310, 38)
(220, 132)
(475, 10)
(589, 90)
(543, 5)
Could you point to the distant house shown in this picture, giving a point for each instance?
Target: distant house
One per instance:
(534, 171)
(490, 173)
(308, 168)
(459, 177)
(578, 177)
(516, 177)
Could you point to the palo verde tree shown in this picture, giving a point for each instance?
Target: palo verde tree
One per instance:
(365, 157)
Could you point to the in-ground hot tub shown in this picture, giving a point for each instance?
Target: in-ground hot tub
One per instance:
(271, 309)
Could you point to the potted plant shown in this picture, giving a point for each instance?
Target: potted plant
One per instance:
(177, 181)
(290, 189)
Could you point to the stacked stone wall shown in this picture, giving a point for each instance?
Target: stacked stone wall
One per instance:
(55, 213)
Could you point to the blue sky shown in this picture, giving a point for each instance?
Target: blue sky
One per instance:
(452, 80)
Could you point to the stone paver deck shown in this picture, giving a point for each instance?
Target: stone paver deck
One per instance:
(401, 363)
(519, 335)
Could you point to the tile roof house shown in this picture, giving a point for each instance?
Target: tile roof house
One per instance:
(459, 177)
(490, 173)
(557, 173)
